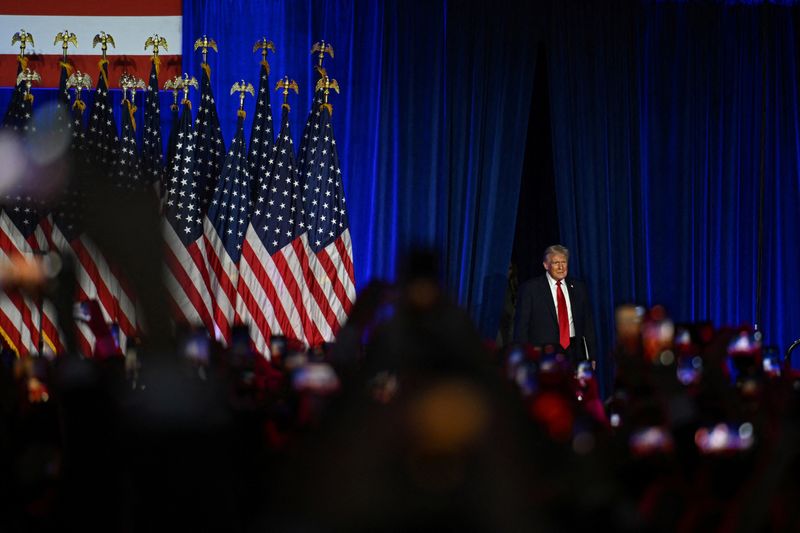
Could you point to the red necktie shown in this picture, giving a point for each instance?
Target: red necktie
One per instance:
(563, 317)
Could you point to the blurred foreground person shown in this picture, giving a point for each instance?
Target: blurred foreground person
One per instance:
(430, 441)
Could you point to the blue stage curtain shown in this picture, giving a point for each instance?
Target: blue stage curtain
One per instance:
(657, 121)
(430, 124)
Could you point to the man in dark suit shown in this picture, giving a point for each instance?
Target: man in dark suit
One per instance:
(554, 309)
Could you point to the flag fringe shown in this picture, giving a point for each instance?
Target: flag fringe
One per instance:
(104, 71)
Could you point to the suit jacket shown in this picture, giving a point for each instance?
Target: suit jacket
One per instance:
(536, 320)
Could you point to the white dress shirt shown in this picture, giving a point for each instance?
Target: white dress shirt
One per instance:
(553, 291)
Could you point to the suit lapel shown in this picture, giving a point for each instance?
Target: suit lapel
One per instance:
(547, 295)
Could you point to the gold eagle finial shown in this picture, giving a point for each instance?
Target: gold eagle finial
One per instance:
(130, 83)
(155, 41)
(28, 76)
(205, 43)
(242, 88)
(23, 38)
(325, 84)
(264, 44)
(286, 84)
(104, 39)
(65, 37)
(183, 84)
(323, 48)
(175, 85)
(78, 80)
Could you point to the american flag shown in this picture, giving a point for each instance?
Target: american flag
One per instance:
(23, 318)
(97, 279)
(313, 116)
(102, 140)
(128, 174)
(272, 283)
(78, 129)
(66, 223)
(14, 117)
(76, 110)
(330, 276)
(171, 142)
(261, 139)
(224, 229)
(152, 148)
(27, 325)
(63, 92)
(209, 146)
(187, 272)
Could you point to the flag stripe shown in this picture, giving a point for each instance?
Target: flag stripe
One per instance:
(281, 324)
(345, 248)
(188, 268)
(317, 306)
(11, 322)
(23, 310)
(47, 66)
(190, 301)
(222, 281)
(8, 328)
(97, 270)
(50, 331)
(332, 271)
(260, 318)
(290, 320)
(129, 33)
(22, 315)
(288, 273)
(92, 8)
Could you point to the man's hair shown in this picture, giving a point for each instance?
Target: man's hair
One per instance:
(555, 249)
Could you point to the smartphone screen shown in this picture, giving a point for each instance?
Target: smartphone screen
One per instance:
(690, 369)
(651, 440)
(277, 350)
(771, 363)
(724, 438)
(196, 347)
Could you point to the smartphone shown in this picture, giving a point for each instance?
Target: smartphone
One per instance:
(724, 438)
(657, 338)
(771, 362)
(651, 440)
(38, 380)
(196, 347)
(584, 371)
(240, 339)
(514, 358)
(690, 369)
(277, 350)
(318, 378)
(525, 377)
(744, 355)
(107, 336)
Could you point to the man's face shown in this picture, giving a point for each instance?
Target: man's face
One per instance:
(556, 265)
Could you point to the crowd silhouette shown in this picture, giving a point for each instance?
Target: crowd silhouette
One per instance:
(408, 422)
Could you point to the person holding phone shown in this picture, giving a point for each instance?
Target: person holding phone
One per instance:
(555, 309)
